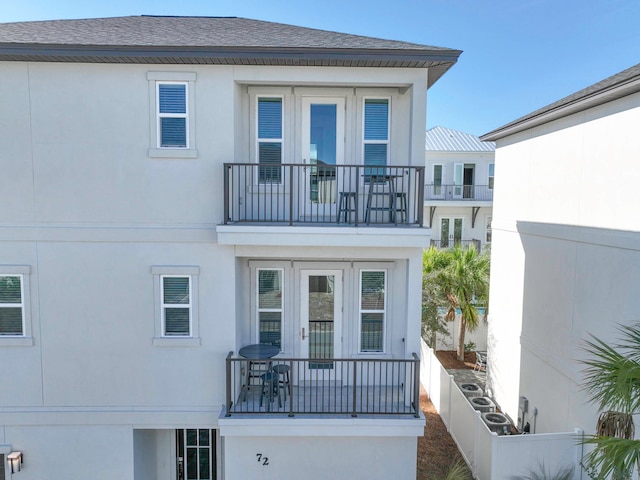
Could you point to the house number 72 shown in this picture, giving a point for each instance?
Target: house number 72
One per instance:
(263, 459)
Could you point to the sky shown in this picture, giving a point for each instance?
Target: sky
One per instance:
(518, 55)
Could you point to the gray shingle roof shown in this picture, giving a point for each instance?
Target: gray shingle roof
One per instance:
(227, 40)
(616, 86)
(441, 139)
(188, 31)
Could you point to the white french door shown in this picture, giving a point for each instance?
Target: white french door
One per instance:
(322, 140)
(321, 322)
(450, 231)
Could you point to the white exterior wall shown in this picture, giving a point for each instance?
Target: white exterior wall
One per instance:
(91, 213)
(318, 458)
(450, 341)
(565, 257)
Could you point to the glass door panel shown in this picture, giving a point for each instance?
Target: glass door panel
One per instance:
(196, 454)
(450, 232)
(322, 149)
(321, 322)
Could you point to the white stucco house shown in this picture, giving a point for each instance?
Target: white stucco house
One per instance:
(459, 188)
(566, 248)
(178, 188)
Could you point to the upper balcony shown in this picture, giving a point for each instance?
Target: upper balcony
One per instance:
(465, 194)
(323, 195)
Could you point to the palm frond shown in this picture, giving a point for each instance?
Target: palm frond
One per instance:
(613, 456)
(612, 378)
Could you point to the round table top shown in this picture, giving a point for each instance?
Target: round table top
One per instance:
(259, 350)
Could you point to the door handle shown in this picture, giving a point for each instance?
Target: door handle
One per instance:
(303, 335)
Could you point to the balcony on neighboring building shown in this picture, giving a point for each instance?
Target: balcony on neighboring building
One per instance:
(452, 243)
(462, 193)
(320, 194)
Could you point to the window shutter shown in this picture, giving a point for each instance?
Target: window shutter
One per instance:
(376, 133)
(173, 98)
(173, 132)
(376, 119)
(270, 118)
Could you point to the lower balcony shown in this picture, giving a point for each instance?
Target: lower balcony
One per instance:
(338, 387)
(322, 194)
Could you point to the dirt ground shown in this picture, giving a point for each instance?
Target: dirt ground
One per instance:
(436, 449)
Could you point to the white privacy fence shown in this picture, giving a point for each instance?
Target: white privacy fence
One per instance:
(491, 456)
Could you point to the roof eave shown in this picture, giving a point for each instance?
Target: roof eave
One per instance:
(117, 53)
(578, 105)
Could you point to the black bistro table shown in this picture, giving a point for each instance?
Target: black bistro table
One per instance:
(259, 350)
(258, 365)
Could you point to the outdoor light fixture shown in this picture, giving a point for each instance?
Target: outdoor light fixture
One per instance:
(15, 460)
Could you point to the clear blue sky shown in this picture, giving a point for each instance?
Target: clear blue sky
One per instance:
(518, 55)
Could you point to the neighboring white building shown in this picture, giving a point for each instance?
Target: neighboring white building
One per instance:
(566, 247)
(176, 188)
(459, 188)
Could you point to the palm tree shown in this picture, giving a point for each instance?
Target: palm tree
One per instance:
(462, 275)
(433, 298)
(612, 380)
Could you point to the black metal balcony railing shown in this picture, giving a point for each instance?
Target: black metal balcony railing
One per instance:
(295, 386)
(481, 193)
(451, 243)
(323, 194)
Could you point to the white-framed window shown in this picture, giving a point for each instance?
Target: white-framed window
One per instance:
(487, 237)
(491, 175)
(11, 305)
(172, 118)
(375, 132)
(269, 138)
(15, 321)
(176, 294)
(372, 310)
(270, 303)
(176, 305)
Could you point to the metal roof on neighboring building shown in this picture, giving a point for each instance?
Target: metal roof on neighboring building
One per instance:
(210, 40)
(441, 139)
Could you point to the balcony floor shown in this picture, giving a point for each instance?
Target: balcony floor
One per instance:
(328, 400)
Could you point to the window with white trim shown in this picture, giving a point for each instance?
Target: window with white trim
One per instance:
(15, 301)
(372, 310)
(491, 175)
(172, 106)
(270, 305)
(375, 132)
(173, 119)
(176, 294)
(488, 230)
(12, 305)
(269, 139)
